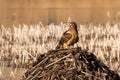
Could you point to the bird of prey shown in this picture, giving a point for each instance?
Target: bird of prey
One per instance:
(69, 37)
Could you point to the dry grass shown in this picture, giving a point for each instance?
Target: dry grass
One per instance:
(26, 42)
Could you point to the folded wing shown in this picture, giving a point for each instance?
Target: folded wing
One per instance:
(65, 37)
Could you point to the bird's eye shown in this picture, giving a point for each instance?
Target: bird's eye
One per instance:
(70, 24)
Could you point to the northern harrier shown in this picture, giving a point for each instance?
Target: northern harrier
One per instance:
(69, 37)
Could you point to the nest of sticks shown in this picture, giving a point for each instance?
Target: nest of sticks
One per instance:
(69, 64)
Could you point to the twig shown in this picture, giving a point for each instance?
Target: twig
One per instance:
(58, 60)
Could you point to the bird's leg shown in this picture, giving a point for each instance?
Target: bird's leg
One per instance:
(70, 46)
(76, 45)
(65, 45)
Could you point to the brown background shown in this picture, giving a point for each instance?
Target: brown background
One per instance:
(48, 11)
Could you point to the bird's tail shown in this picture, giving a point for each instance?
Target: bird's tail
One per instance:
(57, 47)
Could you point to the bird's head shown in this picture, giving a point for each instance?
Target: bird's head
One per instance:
(73, 25)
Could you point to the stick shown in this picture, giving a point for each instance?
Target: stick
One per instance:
(58, 60)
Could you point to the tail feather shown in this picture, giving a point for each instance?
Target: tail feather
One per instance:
(57, 47)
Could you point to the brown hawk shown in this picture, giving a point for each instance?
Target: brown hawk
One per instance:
(69, 37)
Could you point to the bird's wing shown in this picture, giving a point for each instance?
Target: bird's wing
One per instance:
(76, 39)
(66, 36)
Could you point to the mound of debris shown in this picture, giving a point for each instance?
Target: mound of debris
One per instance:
(69, 64)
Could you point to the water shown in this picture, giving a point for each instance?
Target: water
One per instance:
(14, 12)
